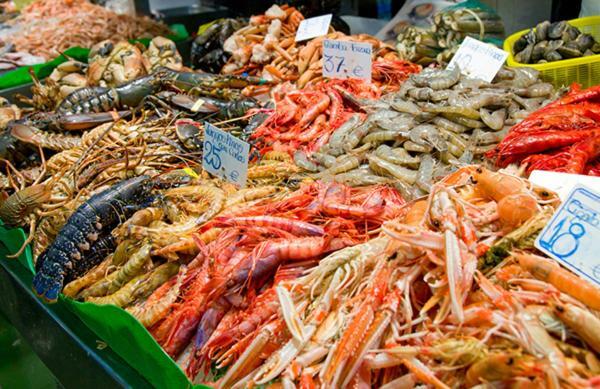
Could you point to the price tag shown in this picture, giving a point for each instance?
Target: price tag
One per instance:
(563, 183)
(477, 59)
(313, 27)
(224, 155)
(344, 59)
(572, 235)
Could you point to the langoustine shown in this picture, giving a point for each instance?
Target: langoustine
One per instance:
(394, 316)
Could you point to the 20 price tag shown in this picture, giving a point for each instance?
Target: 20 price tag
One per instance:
(572, 235)
(344, 59)
(477, 59)
(224, 155)
(313, 27)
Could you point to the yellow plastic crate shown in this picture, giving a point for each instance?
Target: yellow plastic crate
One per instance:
(583, 70)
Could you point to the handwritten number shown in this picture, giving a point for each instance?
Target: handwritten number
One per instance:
(211, 156)
(328, 64)
(333, 63)
(341, 59)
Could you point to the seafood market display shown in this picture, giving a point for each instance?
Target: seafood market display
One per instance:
(109, 65)
(48, 27)
(562, 136)
(550, 42)
(436, 121)
(267, 47)
(416, 306)
(439, 42)
(303, 120)
(383, 236)
(207, 49)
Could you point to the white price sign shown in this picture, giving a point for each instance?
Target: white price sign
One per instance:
(313, 27)
(344, 59)
(477, 59)
(563, 183)
(572, 235)
(224, 155)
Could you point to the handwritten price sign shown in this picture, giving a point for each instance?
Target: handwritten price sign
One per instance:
(344, 59)
(224, 155)
(313, 27)
(477, 59)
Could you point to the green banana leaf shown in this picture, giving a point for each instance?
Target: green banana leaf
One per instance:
(115, 326)
(21, 76)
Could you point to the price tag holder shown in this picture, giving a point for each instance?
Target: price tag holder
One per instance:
(224, 155)
(477, 59)
(344, 59)
(572, 235)
(313, 27)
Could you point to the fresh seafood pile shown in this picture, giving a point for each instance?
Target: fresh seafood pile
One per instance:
(266, 36)
(296, 230)
(316, 273)
(437, 120)
(416, 306)
(562, 136)
(109, 65)
(10, 59)
(115, 64)
(207, 49)
(550, 42)
(439, 42)
(304, 119)
(48, 27)
(240, 243)
(267, 47)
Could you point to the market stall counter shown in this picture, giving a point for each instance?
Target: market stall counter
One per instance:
(69, 349)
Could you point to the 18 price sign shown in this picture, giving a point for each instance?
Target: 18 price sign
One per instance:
(344, 59)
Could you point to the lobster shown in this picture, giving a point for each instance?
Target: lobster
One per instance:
(133, 93)
(99, 99)
(86, 237)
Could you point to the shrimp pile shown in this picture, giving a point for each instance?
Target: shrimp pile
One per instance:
(303, 120)
(48, 27)
(437, 120)
(416, 306)
(237, 253)
(563, 136)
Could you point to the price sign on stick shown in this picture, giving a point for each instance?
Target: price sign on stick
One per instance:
(477, 59)
(313, 27)
(344, 59)
(572, 235)
(224, 155)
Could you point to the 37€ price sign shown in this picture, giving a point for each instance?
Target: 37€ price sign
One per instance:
(345, 59)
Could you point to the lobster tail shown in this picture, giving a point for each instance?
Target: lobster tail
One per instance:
(86, 238)
(48, 282)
